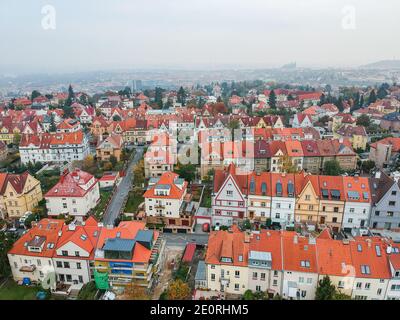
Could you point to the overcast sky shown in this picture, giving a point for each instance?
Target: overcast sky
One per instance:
(109, 34)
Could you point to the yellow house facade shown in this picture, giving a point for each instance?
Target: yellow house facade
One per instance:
(307, 201)
(19, 193)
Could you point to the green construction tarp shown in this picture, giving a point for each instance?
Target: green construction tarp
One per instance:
(101, 279)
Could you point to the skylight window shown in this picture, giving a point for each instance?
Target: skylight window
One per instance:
(378, 251)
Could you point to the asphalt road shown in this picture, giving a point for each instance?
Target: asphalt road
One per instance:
(122, 192)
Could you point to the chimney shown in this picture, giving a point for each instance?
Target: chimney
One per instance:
(369, 241)
(378, 174)
(246, 237)
(295, 239)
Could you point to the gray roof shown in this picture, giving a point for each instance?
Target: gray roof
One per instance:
(116, 244)
(201, 271)
(154, 180)
(145, 237)
(259, 255)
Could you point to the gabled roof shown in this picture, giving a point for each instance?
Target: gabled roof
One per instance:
(229, 245)
(47, 231)
(17, 181)
(167, 179)
(72, 184)
(298, 253)
(334, 257)
(371, 253)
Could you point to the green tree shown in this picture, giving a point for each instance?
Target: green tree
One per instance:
(35, 94)
(382, 93)
(181, 97)
(17, 138)
(6, 242)
(158, 97)
(372, 97)
(68, 111)
(186, 171)
(248, 295)
(113, 161)
(71, 96)
(117, 118)
(272, 99)
(364, 121)
(178, 290)
(325, 290)
(138, 173)
(53, 127)
(233, 125)
(332, 168)
(367, 166)
(341, 296)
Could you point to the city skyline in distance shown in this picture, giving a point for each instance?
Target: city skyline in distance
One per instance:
(175, 34)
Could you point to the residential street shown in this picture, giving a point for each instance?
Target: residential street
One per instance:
(124, 187)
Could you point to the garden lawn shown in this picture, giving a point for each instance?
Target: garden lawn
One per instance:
(134, 200)
(100, 208)
(12, 291)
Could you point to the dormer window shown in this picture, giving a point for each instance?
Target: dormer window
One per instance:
(305, 264)
(365, 269)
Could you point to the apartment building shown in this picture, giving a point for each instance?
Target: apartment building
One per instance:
(19, 193)
(31, 257)
(53, 147)
(168, 203)
(128, 254)
(74, 253)
(300, 270)
(357, 207)
(76, 194)
(290, 265)
(110, 146)
(331, 204)
(386, 204)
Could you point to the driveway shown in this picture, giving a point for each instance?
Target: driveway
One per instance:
(115, 207)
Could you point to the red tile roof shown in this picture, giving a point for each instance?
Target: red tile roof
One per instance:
(72, 184)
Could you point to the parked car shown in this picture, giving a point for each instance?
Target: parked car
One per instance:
(24, 217)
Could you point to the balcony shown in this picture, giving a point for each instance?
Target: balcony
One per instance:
(224, 281)
(31, 268)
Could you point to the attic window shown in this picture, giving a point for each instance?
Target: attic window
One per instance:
(240, 258)
(359, 248)
(365, 269)
(305, 263)
(83, 237)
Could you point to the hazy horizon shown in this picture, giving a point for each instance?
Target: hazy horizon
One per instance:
(95, 35)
